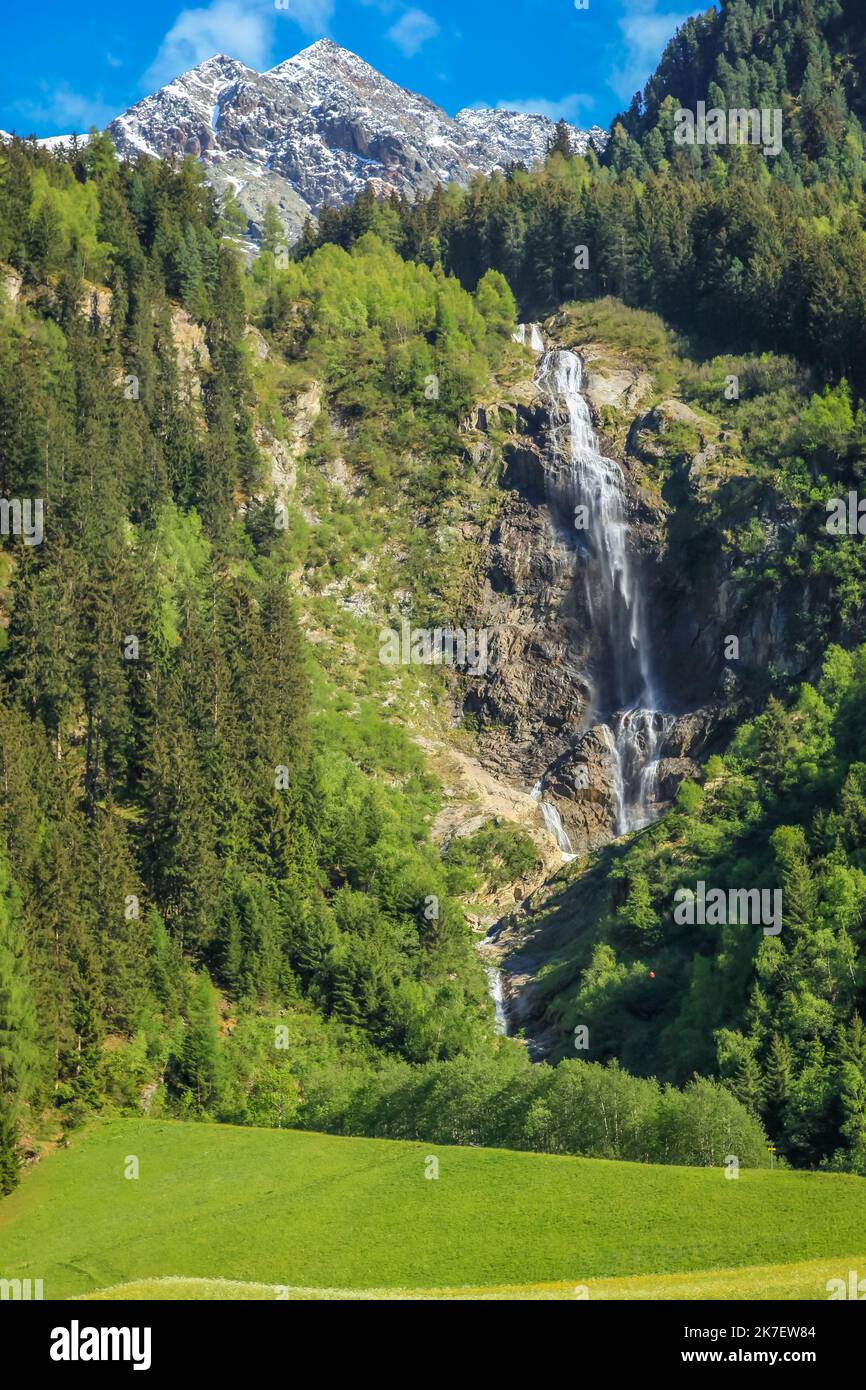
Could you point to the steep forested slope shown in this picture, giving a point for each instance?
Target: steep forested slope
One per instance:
(749, 256)
(803, 57)
(778, 1014)
(179, 811)
(219, 894)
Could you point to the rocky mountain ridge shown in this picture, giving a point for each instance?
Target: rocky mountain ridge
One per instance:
(317, 129)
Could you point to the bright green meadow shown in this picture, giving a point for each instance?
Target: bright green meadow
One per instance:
(257, 1213)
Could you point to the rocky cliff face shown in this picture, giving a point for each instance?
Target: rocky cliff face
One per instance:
(317, 129)
(533, 706)
(695, 542)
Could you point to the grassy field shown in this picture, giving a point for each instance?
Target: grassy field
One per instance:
(223, 1212)
(805, 1280)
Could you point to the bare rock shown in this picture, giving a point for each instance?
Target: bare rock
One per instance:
(193, 357)
(673, 771)
(583, 787)
(96, 301)
(694, 733)
(11, 282)
(667, 413)
(622, 389)
(257, 343)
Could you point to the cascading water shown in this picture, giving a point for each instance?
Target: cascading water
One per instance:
(625, 705)
(553, 821)
(497, 994)
(639, 738)
(593, 490)
(529, 335)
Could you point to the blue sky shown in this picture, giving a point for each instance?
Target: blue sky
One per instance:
(71, 66)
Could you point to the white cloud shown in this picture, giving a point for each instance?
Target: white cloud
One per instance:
(565, 109)
(225, 26)
(313, 16)
(645, 34)
(412, 31)
(67, 109)
(243, 29)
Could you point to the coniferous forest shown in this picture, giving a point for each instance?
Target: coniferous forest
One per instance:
(183, 824)
(225, 894)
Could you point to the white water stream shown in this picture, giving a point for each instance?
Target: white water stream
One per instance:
(494, 984)
(626, 704)
(529, 335)
(553, 821)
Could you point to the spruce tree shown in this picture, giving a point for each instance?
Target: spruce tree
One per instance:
(560, 141)
(18, 1034)
(778, 1080)
(199, 1066)
(748, 1083)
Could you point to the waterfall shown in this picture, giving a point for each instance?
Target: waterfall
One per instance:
(494, 985)
(592, 488)
(535, 340)
(553, 822)
(639, 738)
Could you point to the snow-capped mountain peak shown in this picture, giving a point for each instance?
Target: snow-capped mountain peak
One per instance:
(319, 127)
(322, 55)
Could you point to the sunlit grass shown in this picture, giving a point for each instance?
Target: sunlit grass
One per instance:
(317, 1213)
